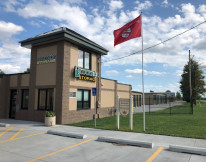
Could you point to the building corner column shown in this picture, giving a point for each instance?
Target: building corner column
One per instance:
(32, 84)
(59, 81)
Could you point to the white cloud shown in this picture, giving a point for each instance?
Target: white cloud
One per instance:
(8, 29)
(188, 8)
(143, 6)
(37, 23)
(100, 23)
(139, 71)
(179, 73)
(10, 5)
(8, 68)
(114, 5)
(10, 50)
(165, 2)
(129, 76)
(112, 73)
(160, 88)
(200, 44)
(76, 1)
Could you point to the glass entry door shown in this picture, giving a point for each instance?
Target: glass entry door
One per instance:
(12, 111)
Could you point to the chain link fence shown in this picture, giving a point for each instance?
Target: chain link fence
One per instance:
(163, 105)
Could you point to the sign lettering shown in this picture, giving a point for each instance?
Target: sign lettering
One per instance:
(46, 59)
(84, 74)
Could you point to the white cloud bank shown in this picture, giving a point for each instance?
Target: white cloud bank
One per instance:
(10, 50)
(99, 23)
(112, 73)
(139, 71)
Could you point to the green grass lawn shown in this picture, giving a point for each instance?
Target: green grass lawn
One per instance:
(180, 123)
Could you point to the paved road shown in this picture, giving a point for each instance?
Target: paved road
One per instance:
(157, 107)
(27, 141)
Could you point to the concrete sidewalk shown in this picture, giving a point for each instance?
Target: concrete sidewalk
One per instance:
(31, 142)
(158, 140)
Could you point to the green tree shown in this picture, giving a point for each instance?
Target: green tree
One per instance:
(167, 91)
(1, 72)
(151, 91)
(27, 70)
(198, 83)
(178, 96)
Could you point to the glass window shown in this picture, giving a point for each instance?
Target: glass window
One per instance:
(134, 101)
(87, 60)
(140, 100)
(79, 99)
(25, 99)
(157, 99)
(50, 96)
(46, 97)
(81, 59)
(83, 99)
(84, 59)
(42, 99)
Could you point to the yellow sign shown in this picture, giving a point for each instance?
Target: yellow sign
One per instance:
(87, 78)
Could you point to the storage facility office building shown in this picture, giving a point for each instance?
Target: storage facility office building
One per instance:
(64, 68)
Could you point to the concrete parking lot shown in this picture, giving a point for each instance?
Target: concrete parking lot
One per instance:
(28, 141)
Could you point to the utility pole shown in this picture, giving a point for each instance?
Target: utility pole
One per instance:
(190, 82)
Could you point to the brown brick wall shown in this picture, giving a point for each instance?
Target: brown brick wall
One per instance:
(32, 83)
(4, 97)
(82, 115)
(66, 81)
(59, 81)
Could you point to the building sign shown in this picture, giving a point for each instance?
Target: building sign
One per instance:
(84, 74)
(94, 91)
(124, 106)
(46, 59)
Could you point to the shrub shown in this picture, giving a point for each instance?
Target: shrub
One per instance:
(50, 114)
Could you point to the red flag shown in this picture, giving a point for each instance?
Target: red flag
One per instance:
(129, 31)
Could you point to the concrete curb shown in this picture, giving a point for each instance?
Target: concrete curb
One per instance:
(67, 134)
(4, 125)
(186, 149)
(126, 142)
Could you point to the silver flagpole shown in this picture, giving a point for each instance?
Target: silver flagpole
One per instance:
(143, 77)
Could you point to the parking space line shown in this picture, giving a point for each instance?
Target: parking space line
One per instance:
(66, 148)
(6, 131)
(16, 134)
(22, 137)
(155, 154)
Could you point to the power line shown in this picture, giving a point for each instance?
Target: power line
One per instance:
(155, 44)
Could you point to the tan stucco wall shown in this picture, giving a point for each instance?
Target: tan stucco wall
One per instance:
(46, 73)
(107, 84)
(123, 90)
(107, 98)
(123, 87)
(136, 93)
(25, 79)
(13, 80)
(74, 62)
(94, 62)
(72, 101)
(123, 94)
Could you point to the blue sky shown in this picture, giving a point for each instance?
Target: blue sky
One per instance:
(96, 20)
